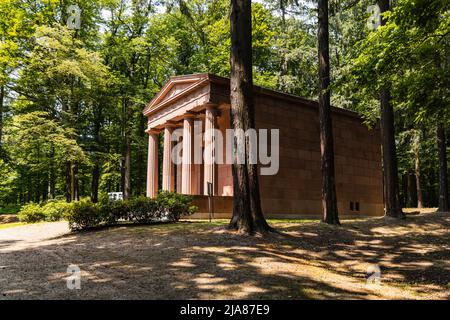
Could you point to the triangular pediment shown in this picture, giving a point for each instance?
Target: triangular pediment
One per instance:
(176, 87)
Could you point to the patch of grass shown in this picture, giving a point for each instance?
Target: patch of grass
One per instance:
(274, 221)
(12, 225)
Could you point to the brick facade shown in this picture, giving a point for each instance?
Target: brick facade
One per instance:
(296, 190)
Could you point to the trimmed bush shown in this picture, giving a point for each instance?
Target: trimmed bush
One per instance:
(114, 211)
(166, 207)
(143, 210)
(173, 206)
(84, 215)
(31, 213)
(55, 210)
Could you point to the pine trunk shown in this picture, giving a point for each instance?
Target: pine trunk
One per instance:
(68, 175)
(140, 159)
(443, 176)
(417, 172)
(127, 151)
(390, 171)
(329, 199)
(247, 213)
(2, 97)
(127, 169)
(412, 199)
(95, 183)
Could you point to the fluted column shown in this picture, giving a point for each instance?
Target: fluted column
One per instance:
(209, 155)
(152, 166)
(168, 165)
(188, 137)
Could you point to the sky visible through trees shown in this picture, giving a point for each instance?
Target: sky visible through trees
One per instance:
(71, 100)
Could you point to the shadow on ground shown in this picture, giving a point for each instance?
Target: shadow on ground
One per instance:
(199, 261)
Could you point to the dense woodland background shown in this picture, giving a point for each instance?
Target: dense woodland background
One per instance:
(71, 101)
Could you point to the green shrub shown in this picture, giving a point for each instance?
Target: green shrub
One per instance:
(84, 215)
(166, 207)
(31, 213)
(9, 209)
(114, 211)
(55, 210)
(143, 210)
(173, 206)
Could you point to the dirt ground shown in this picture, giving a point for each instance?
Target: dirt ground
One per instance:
(199, 260)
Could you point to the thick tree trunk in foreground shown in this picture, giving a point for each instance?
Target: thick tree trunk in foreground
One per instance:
(443, 176)
(329, 199)
(247, 212)
(392, 195)
(391, 188)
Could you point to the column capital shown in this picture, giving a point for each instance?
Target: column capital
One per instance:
(213, 109)
(152, 131)
(190, 115)
(170, 125)
(211, 106)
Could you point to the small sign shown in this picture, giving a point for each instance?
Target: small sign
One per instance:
(210, 189)
(210, 203)
(115, 196)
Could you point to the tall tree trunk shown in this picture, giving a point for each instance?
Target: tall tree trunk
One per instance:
(95, 182)
(329, 199)
(443, 175)
(52, 175)
(2, 97)
(412, 199)
(390, 171)
(417, 172)
(68, 174)
(404, 193)
(126, 156)
(74, 182)
(140, 158)
(127, 171)
(247, 212)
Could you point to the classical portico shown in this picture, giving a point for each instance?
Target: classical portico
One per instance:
(183, 113)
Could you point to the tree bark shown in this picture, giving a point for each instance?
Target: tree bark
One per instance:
(412, 199)
(247, 212)
(127, 171)
(140, 159)
(329, 199)
(95, 183)
(68, 175)
(52, 175)
(417, 173)
(404, 193)
(443, 175)
(127, 150)
(2, 97)
(74, 182)
(390, 171)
